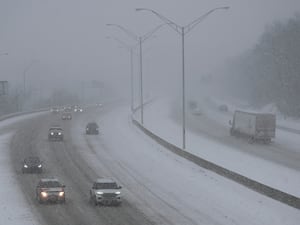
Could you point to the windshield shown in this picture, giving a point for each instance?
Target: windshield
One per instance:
(33, 160)
(50, 184)
(55, 129)
(105, 186)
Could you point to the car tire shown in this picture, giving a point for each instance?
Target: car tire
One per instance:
(95, 201)
(118, 204)
(39, 199)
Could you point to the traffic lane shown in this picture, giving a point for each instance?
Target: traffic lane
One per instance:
(113, 162)
(275, 152)
(59, 160)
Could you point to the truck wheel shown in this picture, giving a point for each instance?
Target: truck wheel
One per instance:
(231, 132)
(251, 140)
(39, 199)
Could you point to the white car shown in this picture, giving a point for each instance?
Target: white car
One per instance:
(105, 192)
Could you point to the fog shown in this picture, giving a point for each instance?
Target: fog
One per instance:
(63, 44)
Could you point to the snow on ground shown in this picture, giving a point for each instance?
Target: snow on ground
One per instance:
(263, 171)
(172, 187)
(14, 209)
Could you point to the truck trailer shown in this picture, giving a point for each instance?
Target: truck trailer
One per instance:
(255, 126)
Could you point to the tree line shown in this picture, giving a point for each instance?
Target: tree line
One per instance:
(270, 71)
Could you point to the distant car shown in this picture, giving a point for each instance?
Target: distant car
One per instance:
(55, 134)
(77, 109)
(223, 108)
(197, 111)
(32, 165)
(54, 110)
(66, 116)
(68, 109)
(50, 190)
(105, 192)
(92, 128)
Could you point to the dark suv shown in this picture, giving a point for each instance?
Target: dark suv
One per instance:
(55, 134)
(50, 190)
(92, 128)
(32, 165)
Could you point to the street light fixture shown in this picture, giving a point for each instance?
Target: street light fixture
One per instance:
(130, 49)
(140, 40)
(182, 30)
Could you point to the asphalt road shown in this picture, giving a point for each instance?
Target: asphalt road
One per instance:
(277, 152)
(62, 160)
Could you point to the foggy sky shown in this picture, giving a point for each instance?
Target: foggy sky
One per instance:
(67, 38)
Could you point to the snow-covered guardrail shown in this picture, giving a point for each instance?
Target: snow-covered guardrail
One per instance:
(11, 115)
(273, 193)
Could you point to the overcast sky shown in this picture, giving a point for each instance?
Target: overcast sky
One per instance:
(66, 39)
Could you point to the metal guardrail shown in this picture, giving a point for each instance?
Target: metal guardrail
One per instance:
(291, 130)
(268, 191)
(11, 115)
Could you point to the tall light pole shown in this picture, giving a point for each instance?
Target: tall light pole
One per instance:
(182, 30)
(130, 49)
(140, 40)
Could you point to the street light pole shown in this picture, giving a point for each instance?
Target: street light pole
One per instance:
(131, 78)
(182, 30)
(141, 81)
(140, 40)
(183, 89)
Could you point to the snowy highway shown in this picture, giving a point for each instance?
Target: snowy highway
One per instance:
(158, 186)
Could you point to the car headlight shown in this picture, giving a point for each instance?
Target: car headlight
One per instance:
(25, 166)
(61, 194)
(44, 194)
(99, 193)
(117, 192)
(52, 133)
(40, 166)
(80, 110)
(59, 133)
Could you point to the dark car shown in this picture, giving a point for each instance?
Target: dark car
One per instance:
(223, 108)
(50, 190)
(32, 165)
(66, 116)
(77, 109)
(55, 134)
(92, 128)
(55, 110)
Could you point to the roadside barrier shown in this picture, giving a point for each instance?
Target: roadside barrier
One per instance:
(268, 191)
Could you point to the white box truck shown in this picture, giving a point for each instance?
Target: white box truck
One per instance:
(254, 126)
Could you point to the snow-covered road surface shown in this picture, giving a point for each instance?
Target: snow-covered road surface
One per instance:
(276, 165)
(158, 186)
